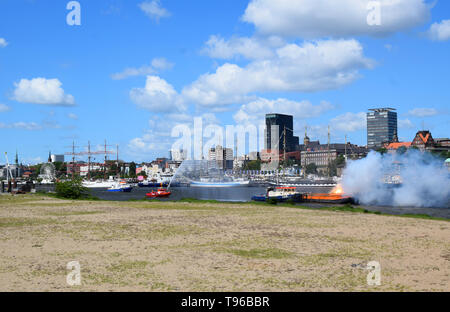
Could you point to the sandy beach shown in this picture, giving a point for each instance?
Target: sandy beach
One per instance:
(180, 246)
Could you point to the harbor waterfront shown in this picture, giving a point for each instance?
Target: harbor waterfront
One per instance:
(244, 194)
(232, 149)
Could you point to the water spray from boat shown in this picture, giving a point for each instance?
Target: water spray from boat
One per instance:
(203, 173)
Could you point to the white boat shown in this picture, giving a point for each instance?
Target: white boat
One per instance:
(47, 181)
(219, 184)
(121, 186)
(99, 184)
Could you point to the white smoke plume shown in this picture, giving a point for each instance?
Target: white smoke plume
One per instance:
(417, 179)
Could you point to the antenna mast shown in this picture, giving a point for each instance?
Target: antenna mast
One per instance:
(284, 145)
(117, 149)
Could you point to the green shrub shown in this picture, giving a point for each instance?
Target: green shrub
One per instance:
(272, 201)
(72, 189)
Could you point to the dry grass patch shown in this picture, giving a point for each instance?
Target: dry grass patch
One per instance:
(20, 222)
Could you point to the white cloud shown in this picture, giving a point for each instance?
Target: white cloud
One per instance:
(131, 71)
(42, 91)
(405, 124)
(423, 112)
(4, 108)
(32, 160)
(139, 145)
(255, 111)
(157, 96)
(161, 64)
(32, 126)
(440, 31)
(72, 116)
(3, 43)
(349, 122)
(250, 48)
(154, 10)
(312, 66)
(331, 18)
(157, 64)
(157, 140)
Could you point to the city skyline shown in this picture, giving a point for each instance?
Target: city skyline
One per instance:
(134, 69)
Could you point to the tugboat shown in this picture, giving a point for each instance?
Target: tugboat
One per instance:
(122, 186)
(159, 193)
(280, 194)
(336, 196)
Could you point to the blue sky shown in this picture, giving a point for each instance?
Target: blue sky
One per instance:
(134, 69)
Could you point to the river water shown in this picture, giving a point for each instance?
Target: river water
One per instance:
(244, 194)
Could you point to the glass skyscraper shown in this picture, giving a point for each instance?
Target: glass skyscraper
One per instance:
(283, 122)
(381, 126)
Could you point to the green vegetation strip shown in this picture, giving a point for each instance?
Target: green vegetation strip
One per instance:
(268, 253)
(72, 213)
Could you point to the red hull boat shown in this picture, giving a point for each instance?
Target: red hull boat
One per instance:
(158, 193)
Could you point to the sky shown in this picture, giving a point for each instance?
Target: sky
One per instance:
(128, 72)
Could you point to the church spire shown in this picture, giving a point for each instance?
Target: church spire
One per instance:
(17, 158)
(306, 139)
(49, 156)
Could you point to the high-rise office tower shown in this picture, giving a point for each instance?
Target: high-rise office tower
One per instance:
(285, 125)
(381, 126)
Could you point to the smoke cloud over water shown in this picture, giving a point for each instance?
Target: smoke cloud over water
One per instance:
(413, 179)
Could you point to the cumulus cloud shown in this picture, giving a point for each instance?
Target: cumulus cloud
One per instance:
(157, 140)
(349, 122)
(157, 64)
(249, 48)
(440, 31)
(423, 112)
(157, 96)
(42, 91)
(331, 18)
(4, 108)
(255, 111)
(405, 124)
(312, 66)
(161, 64)
(140, 146)
(3, 43)
(154, 10)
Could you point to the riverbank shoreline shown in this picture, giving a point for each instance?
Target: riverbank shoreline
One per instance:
(422, 213)
(195, 245)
